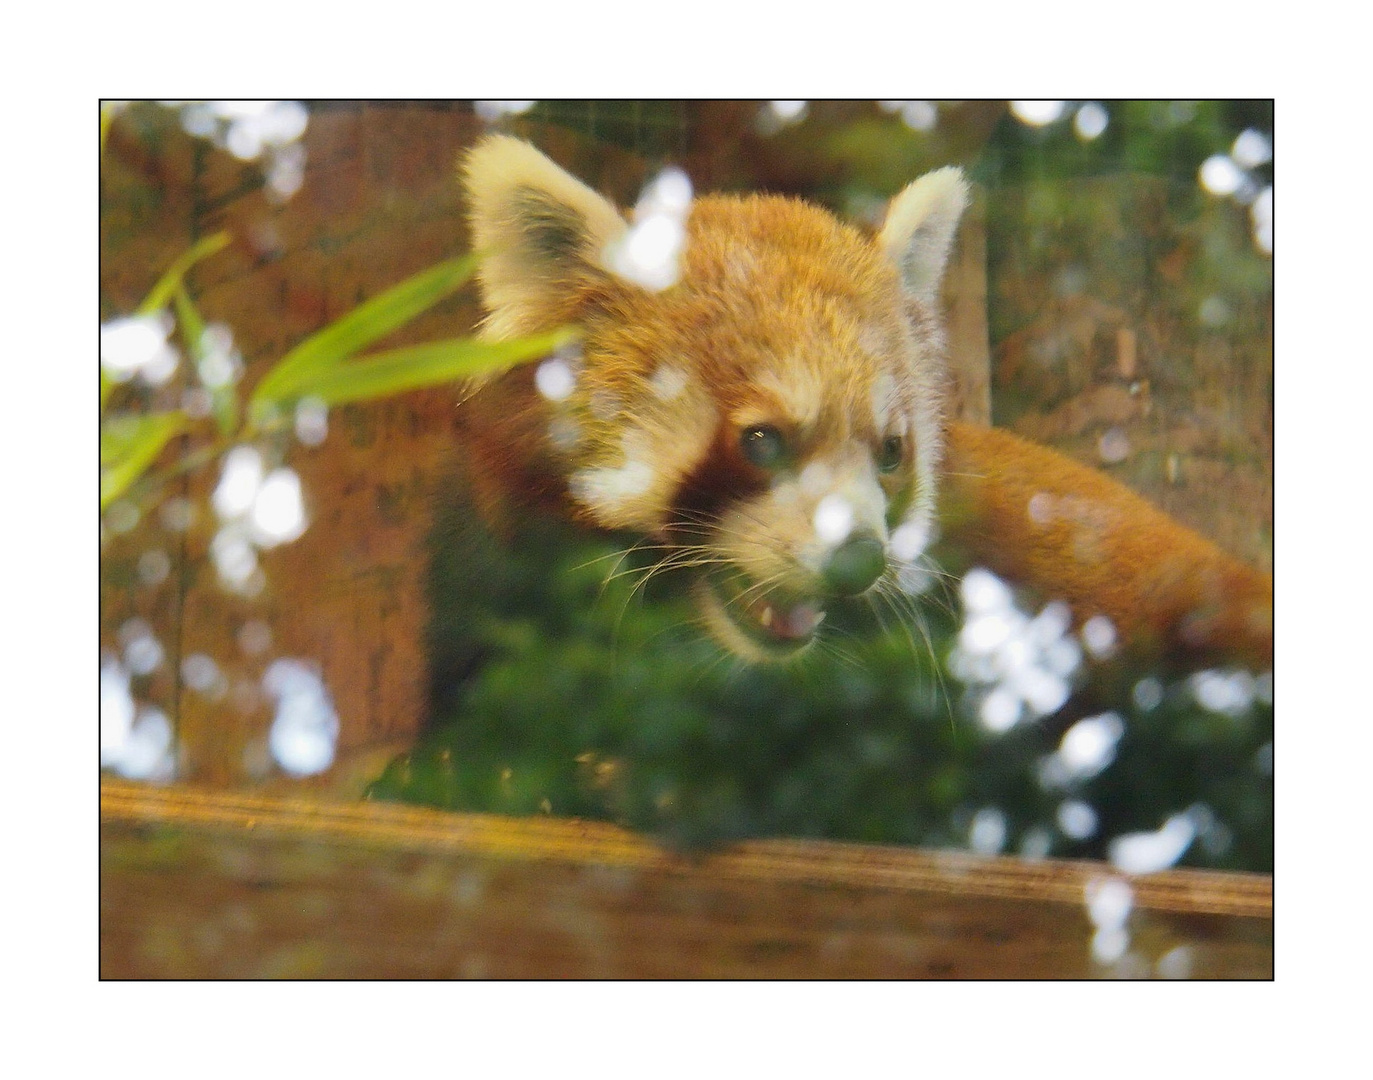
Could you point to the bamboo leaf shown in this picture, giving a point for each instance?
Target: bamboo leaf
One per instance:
(431, 364)
(167, 284)
(128, 445)
(373, 319)
(224, 399)
(108, 109)
(189, 319)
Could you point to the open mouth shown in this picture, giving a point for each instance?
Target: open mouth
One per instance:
(755, 625)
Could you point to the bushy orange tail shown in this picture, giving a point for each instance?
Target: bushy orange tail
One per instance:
(1068, 532)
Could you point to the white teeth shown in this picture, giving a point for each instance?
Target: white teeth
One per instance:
(795, 622)
(806, 619)
(787, 623)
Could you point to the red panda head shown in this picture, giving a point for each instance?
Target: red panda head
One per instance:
(768, 407)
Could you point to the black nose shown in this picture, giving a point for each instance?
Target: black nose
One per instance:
(855, 564)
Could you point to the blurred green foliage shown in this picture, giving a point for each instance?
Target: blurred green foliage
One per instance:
(562, 688)
(1148, 138)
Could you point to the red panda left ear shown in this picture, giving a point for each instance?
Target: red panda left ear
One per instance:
(539, 230)
(919, 230)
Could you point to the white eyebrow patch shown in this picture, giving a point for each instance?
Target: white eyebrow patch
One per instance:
(801, 392)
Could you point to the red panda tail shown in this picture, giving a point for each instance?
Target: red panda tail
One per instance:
(1071, 533)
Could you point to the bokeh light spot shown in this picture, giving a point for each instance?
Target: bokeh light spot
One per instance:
(305, 728)
(1076, 819)
(987, 835)
(278, 514)
(1149, 852)
(1220, 175)
(555, 379)
(1091, 120)
(833, 520)
(1038, 113)
(240, 478)
(649, 253)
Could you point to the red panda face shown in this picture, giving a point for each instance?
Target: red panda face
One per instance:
(770, 417)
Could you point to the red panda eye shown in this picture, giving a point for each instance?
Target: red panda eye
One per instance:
(764, 445)
(891, 455)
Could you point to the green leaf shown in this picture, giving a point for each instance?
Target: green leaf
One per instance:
(168, 283)
(431, 364)
(107, 114)
(307, 362)
(224, 399)
(189, 319)
(128, 445)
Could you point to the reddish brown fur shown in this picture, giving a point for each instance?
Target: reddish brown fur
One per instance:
(1102, 549)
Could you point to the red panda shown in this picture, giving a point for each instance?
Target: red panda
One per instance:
(774, 419)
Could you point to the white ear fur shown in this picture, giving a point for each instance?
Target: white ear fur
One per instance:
(919, 229)
(538, 228)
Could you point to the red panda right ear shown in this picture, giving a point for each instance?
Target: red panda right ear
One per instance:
(539, 229)
(919, 230)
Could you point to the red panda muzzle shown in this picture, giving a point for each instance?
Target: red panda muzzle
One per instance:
(756, 627)
(767, 625)
(855, 565)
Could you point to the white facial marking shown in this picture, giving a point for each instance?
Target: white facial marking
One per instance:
(608, 488)
(815, 479)
(668, 381)
(801, 392)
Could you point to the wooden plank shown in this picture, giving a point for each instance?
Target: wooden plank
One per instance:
(201, 884)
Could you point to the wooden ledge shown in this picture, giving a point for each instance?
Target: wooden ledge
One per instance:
(404, 828)
(433, 893)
